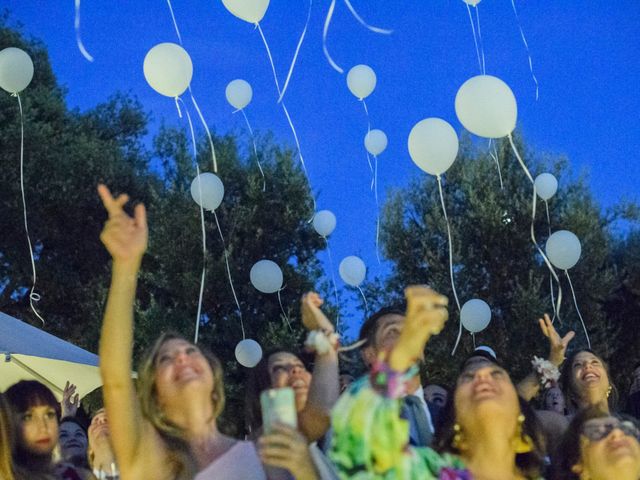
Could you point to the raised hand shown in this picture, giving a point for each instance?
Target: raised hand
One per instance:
(312, 317)
(557, 345)
(70, 400)
(426, 315)
(124, 237)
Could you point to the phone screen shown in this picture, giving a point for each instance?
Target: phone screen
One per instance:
(278, 406)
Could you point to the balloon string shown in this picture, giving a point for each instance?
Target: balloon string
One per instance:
(177, 100)
(475, 39)
(526, 46)
(453, 283)
(76, 25)
(175, 24)
(204, 254)
(553, 301)
(286, 112)
(363, 23)
(375, 194)
(366, 112)
(273, 67)
(325, 31)
(473, 337)
(366, 305)
(494, 154)
(206, 129)
(353, 346)
(284, 314)
(533, 214)
(226, 261)
(541, 252)
(204, 232)
(295, 55)
(255, 149)
(575, 302)
(33, 296)
(333, 280)
(483, 66)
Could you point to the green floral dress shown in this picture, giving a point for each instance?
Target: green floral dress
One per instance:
(371, 442)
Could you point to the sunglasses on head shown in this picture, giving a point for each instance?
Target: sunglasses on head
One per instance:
(596, 431)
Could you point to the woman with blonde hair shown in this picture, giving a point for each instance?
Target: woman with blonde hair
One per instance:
(170, 432)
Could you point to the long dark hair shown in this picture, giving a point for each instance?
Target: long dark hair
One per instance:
(530, 463)
(568, 387)
(258, 381)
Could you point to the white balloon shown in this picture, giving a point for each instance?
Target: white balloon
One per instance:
(475, 315)
(563, 249)
(239, 93)
(168, 69)
(433, 145)
(211, 188)
(546, 185)
(266, 276)
(361, 81)
(251, 11)
(16, 69)
(324, 222)
(473, 3)
(375, 141)
(486, 106)
(352, 270)
(248, 353)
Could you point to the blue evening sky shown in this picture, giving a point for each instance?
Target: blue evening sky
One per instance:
(585, 56)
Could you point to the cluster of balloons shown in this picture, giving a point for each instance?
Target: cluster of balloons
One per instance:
(16, 69)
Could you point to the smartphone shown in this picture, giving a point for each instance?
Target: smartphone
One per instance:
(278, 406)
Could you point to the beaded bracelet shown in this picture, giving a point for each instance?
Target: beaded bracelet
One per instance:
(388, 382)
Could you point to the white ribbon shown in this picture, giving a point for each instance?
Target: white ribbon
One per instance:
(575, 302)
(33, 296)
(526, 46)
(76, 25)
(295, 55)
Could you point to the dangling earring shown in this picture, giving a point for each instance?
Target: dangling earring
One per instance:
(609, 391)
(522, 442)
(458, 437)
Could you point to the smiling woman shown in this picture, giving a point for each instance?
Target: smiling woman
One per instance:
(73, 442)
(587, 383)
(172, 431)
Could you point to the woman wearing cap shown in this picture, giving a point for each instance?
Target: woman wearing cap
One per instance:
(599, 446)
(489, 433)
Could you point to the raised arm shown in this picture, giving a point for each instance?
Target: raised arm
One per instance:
(125, 238)
(426, 315)
(325, 388)
(529, 387)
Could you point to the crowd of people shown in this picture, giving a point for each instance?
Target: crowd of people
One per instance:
(384, 425)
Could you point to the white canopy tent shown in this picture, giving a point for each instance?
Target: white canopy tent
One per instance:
(33, 354)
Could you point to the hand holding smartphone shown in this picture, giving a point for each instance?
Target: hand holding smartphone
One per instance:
(278, 406)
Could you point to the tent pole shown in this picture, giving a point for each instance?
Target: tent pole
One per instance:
(40, 378)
